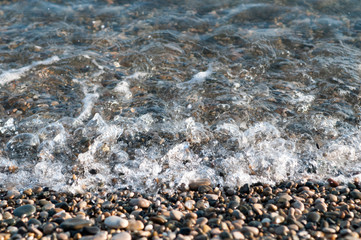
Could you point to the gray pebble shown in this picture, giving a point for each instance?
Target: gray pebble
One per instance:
(313, 217)
(355, 194)
(26, 210)
(122, 236)
(282, 230)
(75, 224)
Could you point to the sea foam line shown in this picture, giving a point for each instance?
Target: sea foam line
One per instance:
(15, 74)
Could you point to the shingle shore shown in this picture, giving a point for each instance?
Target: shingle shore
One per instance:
(288, 210)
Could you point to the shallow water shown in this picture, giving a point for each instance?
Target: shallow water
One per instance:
(153, 94)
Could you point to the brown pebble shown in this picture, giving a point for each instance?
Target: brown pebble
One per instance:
(135, 225)
(195, 184)
(140, 202)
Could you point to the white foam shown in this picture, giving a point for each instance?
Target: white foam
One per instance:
(201, 76)
(197, 78)
(8, 126)
(88, 102)
(137, 75)
(15, 74)
(123, 89)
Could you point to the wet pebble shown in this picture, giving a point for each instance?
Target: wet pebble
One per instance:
(194, 185)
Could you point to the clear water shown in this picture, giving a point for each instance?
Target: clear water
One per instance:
(152, 94)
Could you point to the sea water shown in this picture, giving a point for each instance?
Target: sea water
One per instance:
(153, 94)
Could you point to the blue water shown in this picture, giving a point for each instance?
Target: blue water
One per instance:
(153, 94)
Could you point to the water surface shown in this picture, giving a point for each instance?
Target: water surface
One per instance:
(152, 94)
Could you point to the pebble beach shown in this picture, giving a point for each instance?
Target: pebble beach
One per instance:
(288, 210)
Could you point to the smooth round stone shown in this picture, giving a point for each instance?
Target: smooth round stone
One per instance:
(298, 205)
(194, 185)
(12, 230)
(202, 221)
(278, 219)
(284, 198)
(225, 235)
(135, 225)
(34, 221)
(176, 215)
(63, 205)
(158, 219)
(107, 205)
(250, 230)
(122, 236)
(191, 215)
(140, 202)
(313, 217)
(48, 207)
(257, 206)
(332, 197)
(26, 210)
(321, 207)
(75, 224)
(355, 194)
(237, 235)
(233, 204)
(213, 197)
(189, 204)
(238, 224)
(91, 230)
(328, 230)
(282, 230)
(116, 222)
(100, 236)
(271, 207)
(48, 228)
(62, 236)
(238, 214)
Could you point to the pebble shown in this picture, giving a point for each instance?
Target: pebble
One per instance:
(26, 210)
(282, 230)
(135, 225)
(238, 235)
(75, 224)
(201, 221)
(332, 197)
(116, 222)
(313, 217)
(298, 205)
(305, 211)
(189, 204)
(140, 202)
(158, 219)
(122, 236)
(213, 197)
(355, 194)
(247, 230)
(176, 215)
(195, 184)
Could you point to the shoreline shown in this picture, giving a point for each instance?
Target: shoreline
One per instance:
(287, 210)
